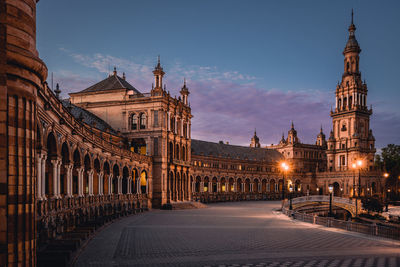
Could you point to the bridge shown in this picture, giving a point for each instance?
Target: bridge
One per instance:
(351, 205)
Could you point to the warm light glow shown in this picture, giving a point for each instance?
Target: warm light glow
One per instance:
(389, 190)
(386, 175)
(284, 166)
(317, 188)
(359, 163)
(330, 187)
(354, 165)
(290, 188)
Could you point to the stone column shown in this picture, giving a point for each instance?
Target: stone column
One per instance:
(210, 189)
(119, 190)
(110, 178)
(100, 176)
(39, 160)
(129, 185)
(80, 181)
(59, 179)
(90, 185)
(201, 187)
(69, 179)
(56, 178)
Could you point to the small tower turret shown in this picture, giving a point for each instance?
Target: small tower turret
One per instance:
(158, 76)
(321, 141)
(184, 92)
(292, 136)
(255, 141)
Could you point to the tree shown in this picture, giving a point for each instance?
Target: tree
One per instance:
(389, 161)
(372, 204)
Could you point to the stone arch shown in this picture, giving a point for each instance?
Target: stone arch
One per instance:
(256, 183)
(297, 186)
(76, 171)
(264, 185)
(51, 164)
(197, 185)
(177, 154)
(96, 178)
(231, 185)
(87, 163)
(223, 185)
(239, 185)
(143, 182)
(336, 189)
(280, 185)
(247, 185)
(106, 182)
(272, 186)
(214, 185)
(114, 184)
(206, 184)
(125, 177)
(135, 181)
(65, 160)
(171, 151)
(171, 185)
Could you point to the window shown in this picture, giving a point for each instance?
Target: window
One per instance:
(134, 122)
(142, 121)
(155, 118)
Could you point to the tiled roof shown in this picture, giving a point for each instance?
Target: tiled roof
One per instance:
(87, 117)
(222, 150)
(113, 82)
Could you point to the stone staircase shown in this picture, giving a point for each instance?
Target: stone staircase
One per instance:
(184, 205)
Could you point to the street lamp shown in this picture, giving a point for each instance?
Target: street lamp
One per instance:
(330, 187)
(359, 165)
(284, 168)
(290, 197)
(354, 178)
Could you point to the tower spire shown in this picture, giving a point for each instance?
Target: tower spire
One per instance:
(352, 15)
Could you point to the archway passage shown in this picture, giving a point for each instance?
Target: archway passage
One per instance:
(65, 160)
(106, 182)
(125, 175)
(143, 182)
(51, 166)
(96, 181)
(336, 189)
(115, 189)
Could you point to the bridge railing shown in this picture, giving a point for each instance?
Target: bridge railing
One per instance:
(323, 198)
(391, 232)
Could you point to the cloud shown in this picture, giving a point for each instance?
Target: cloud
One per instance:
(228, 105)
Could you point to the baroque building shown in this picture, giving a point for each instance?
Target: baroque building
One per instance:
(70, 165)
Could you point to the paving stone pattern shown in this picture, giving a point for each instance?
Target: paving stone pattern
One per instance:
(232, 234)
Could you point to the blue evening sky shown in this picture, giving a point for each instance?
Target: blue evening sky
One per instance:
(249, 64)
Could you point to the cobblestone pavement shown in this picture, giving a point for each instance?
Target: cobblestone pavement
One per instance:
(232, 234)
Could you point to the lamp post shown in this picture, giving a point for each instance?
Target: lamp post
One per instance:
(386, 175)
(330, 187)
(290, 197)
(284, 168)
(359, 165)
(354, 178)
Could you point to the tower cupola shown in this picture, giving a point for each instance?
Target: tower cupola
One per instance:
(184, 92)
(158, 72)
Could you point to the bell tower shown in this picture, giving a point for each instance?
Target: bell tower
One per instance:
(351, 138)
(158, 72)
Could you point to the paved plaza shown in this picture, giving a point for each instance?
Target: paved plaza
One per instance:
(232, 234)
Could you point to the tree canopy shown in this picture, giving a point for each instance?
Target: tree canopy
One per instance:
(389, 161)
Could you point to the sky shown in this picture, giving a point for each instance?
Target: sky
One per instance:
(248, 64)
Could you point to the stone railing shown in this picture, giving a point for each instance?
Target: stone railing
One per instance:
(352, 205)
(369, 229)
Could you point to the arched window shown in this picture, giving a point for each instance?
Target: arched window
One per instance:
(348, 66)
(142, 121)
(134, 122)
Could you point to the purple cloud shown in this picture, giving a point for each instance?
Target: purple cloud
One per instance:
(228, 105)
